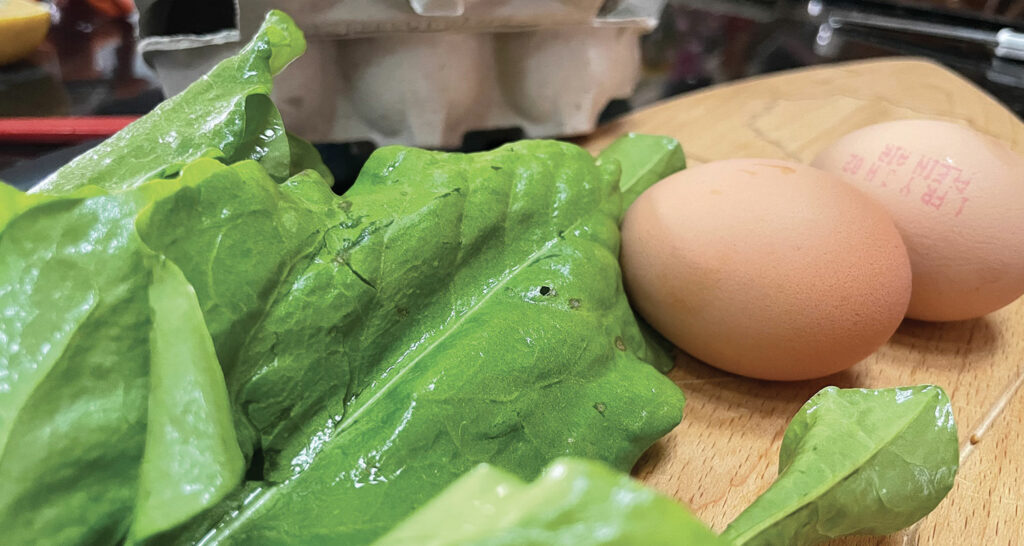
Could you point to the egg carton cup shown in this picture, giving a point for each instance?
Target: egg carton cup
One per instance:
(426, 72)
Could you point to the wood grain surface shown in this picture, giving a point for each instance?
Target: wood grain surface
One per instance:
(725, 452)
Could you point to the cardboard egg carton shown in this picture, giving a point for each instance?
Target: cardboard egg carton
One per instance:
(425, 72)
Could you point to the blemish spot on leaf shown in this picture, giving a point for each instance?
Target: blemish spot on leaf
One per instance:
(341, 259)
(574, 303)
(351, 223)
(495, 167)
(545, 290)
(600, 407)
(402, 312)
(619, 343)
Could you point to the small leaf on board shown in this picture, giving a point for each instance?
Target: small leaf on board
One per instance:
(856, 462)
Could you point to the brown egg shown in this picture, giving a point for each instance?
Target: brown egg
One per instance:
(765, 268)
(957, 196)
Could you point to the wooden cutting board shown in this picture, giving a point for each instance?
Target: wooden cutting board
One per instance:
(725, 452)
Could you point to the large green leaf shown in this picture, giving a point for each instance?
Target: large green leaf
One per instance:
(236, 234)
(462, 309)
(73, 371)
(109, 369)
(573, 502)
(95, 320)
(225, 114)
(856, 462)
(106, 376)
(191, 458)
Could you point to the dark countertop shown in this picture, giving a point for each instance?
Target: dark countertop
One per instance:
(89, 65)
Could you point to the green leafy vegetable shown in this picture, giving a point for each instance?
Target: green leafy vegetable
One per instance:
(72, 371)
(12, 202)
(173, 310)
(235, 233)
(94, 350)
(304, 156)
(644, 160)
(854, 462)
(573, 502)
(109, 368)
(456, 309)
(226, 114)
(448, 310)
(191, 455)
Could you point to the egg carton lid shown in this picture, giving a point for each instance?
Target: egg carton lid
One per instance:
(379, 70)
(359, 18)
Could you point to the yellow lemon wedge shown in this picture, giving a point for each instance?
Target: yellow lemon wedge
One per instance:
(23, 26)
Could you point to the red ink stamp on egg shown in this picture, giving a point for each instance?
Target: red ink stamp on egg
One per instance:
(894, 155)
(870, 175)
(923, 169)
(932, 198)
(963, 203)
(961, 183)
(853, 164)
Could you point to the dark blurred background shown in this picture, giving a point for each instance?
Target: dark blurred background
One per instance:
(89, 64)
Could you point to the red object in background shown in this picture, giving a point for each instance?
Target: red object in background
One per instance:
(113, 8)
(55, 130)
(82, 35)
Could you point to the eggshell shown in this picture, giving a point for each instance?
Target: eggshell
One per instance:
(957, 196)
(765, 268)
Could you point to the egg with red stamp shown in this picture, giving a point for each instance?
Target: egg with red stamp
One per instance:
(957, 197)
(765, 268)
